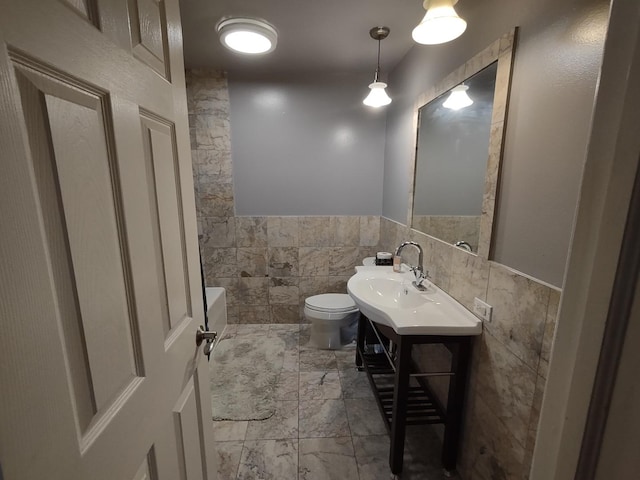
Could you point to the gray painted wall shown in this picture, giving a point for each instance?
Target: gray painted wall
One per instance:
(306, 146)
(558, 55)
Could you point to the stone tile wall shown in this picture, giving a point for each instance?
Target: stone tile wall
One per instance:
(510, 359)
(450, 228)
(268, 265)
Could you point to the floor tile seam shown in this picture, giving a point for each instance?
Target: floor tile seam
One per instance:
(298, 440)
(323, 436)
(353, 445)
(350, 430)
(297, 445)
(322, 370)
(240, 461)
(298, 375)
(354, 449)
(346, 411)
(267, 438)
(299, 409)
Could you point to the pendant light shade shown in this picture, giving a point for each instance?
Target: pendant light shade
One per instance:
(458, 98)
(378, 96)
(441, 23)
(247, 35)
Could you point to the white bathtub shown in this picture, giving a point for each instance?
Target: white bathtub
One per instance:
(216, 308)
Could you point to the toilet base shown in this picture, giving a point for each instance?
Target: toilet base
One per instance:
(333, 334)
(325, 337)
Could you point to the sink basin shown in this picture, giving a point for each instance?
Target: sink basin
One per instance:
(389, 298)
(394, 292)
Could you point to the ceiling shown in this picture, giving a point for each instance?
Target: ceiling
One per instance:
(313, 36)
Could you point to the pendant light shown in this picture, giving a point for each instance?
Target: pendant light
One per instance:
(378, 96)
(441, 23)
(458, 98)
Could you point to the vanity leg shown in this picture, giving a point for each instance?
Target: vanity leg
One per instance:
(362, 329)
(455, 401)
(400, 401)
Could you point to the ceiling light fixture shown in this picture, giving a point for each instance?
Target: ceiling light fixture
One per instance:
(458, 98)
(247, 35)
(378, 95)
(441, 24)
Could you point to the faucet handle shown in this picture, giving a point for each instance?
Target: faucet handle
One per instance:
(418, 272)
(420, 275)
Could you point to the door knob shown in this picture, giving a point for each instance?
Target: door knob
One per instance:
(203, 335)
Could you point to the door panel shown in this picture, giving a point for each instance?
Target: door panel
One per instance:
(86, 8)
(162, 170)
(186, 417)
(82, 168)
(99, 281)
(68, 131)
(148, 34)
(148, 469)
(59, 261)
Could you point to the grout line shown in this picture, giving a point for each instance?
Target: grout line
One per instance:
(353, 446)
(298, 350)
(240, 459)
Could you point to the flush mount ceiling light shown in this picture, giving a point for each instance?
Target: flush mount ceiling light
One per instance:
(378, 95)
(458, 98)
(441, 24)
(247, 35)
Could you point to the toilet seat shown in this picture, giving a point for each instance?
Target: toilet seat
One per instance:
(331, 303)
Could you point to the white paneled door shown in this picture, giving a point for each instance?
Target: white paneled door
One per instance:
(100, 299)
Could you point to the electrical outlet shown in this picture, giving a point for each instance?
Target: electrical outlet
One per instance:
(482, 309)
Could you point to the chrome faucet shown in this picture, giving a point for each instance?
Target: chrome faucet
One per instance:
(419, 274)
(464, 245)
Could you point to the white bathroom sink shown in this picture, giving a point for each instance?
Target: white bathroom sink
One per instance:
(389, 298)
(393, 292)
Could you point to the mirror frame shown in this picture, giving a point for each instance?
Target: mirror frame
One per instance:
(502, 51)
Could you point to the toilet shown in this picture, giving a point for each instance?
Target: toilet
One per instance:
(329, 313)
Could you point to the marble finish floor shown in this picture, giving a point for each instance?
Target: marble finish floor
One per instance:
(326, 426)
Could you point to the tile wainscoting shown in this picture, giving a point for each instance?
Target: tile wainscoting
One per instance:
(510, 359)
(269, 265)
(450, 228)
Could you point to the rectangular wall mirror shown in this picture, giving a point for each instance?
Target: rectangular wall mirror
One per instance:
(458, 150)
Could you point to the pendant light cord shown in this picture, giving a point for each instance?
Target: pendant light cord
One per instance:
(378, 64)
(379, 34)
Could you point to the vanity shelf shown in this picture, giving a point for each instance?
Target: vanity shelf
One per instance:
(402, 392)
(421, 407)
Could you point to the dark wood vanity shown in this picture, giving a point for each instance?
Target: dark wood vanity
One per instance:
(402, 392)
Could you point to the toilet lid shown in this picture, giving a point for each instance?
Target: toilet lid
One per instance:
(331, 302)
